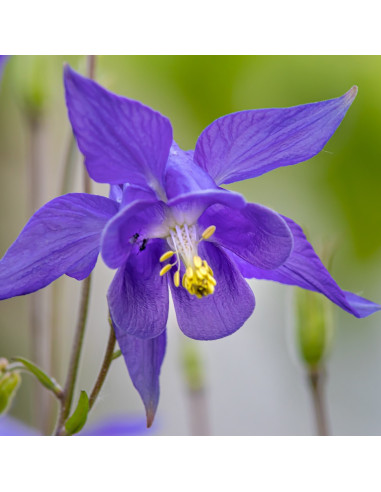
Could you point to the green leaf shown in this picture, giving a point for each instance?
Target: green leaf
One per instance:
(78, 419)
(8, 387)
(44, 379)
(116, 354)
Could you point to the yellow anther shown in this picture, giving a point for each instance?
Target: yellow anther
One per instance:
(199, 281)
(212, 280)
(166, 256)
(165, 269)
(210, 271)
(209, 231)
(211, 289)
(176, 278)
(197, 261)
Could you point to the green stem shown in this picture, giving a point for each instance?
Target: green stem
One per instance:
(108, 358)
(18, 367)
(316, 377)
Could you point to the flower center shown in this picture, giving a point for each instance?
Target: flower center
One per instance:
(183, 240)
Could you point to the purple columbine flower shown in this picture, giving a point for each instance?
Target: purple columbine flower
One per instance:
(168, 221)
(112, 425)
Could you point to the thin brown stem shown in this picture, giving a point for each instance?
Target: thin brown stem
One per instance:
(70, 158)
(316, 378)
(198, 411)
(108, 358)
(194, 379)
(75, 355)
(34, 172)
(91, 63)
(39, 334)
(82, 318)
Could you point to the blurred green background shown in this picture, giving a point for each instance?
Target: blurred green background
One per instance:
(335, 196)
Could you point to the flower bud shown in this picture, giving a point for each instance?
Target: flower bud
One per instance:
(32, 80)
(314, 326)
(9, 383)
(3, 364)
(192, 366)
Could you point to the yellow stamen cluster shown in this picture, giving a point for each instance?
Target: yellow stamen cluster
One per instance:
(199, 280)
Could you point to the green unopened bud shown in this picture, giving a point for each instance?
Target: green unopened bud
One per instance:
(32, 80)
(3, 364)
(9, 383)
(314, 326)
(192, 366)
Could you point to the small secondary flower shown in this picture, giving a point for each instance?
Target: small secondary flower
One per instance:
(168, 221)
(112, 425)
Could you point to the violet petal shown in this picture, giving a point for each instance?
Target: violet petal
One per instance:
(122, 140)
(304, 269)
(144, 358)
(138, 295)
(222, 313)
(131, 225)
(189, 207)
(61, 237)
(255, 233)
(247, 144)
(183, 175)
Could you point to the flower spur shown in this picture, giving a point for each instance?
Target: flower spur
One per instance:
(168, 221)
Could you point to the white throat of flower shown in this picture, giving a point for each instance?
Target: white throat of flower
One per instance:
(183, 240)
